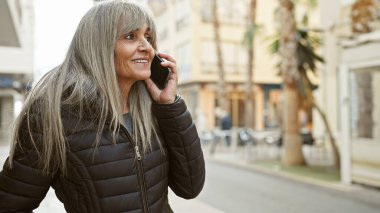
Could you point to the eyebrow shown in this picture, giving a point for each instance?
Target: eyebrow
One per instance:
(137, 29)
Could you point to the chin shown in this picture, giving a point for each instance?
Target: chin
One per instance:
(145, 75)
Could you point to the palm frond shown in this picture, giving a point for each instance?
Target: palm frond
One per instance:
(249, 35)
(308, 58)
(274, 46)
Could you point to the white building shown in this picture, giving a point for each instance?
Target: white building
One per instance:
(185, 30)
(16, 57)
(350, 90)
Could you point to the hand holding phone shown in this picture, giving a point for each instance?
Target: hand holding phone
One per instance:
(159, 74)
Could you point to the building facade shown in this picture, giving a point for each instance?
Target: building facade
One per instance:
(350, 84)
(16, 58)
(185, 30)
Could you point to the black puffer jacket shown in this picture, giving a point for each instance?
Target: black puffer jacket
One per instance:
(113, 178)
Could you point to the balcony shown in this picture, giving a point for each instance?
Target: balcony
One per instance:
(10, 21)
(16, 37)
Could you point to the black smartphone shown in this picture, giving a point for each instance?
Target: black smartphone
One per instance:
(159, 74)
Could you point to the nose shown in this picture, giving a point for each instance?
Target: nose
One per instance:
(144, 45)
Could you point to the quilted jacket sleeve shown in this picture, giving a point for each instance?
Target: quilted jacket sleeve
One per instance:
(187, 166)
(23, 187)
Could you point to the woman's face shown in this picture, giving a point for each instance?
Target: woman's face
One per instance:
(133, 55)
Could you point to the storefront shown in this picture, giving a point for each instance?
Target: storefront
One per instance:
(360, 109)
(201, 101)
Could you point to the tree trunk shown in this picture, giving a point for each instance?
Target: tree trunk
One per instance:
(331, 137)
(249, 95)
(221, 94)
(292, 149)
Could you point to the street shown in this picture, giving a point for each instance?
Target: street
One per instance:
(236, 190)
(229, 190)
(284, 96)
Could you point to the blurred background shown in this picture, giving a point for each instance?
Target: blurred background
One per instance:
(283, 93)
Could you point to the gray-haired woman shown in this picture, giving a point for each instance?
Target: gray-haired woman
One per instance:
(99, 131)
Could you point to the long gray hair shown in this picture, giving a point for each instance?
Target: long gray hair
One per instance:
(86, 82)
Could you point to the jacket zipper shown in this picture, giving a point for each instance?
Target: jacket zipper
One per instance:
(140, 169)
(142, 178)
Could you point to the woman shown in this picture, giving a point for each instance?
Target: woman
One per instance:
(99, 131)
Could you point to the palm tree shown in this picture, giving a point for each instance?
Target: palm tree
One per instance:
(310, 5)
(221, 96)
(292, 148)
(249, 42)
(307, 60)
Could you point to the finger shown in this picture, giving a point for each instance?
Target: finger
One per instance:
(170, 65)
(167, 57)
(172, 83)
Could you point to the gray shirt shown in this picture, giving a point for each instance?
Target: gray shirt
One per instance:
(128, 122)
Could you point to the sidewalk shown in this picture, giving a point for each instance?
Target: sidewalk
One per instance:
(272, 167)
(190, 206)
(52, 204)
(319, 176)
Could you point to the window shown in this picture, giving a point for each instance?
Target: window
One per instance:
(184, 60)
(347, 2)
(163, 27)
(182, 14)
(365, 103)
(234, 57)
(229, 11)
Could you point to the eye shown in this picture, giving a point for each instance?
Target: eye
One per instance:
(130, 36)
(148, 38)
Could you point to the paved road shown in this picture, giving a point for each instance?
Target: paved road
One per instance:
(236, 190)
(228, 189)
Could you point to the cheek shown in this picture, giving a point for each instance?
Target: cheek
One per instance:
(122, 67)
(151, 51)
(118, 64)
(117, 57)
(121, 60)
(123, 51)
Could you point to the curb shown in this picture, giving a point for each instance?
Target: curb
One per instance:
(298, 178)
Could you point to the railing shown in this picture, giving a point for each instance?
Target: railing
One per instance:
(252, 145)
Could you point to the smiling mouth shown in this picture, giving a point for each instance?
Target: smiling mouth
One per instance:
(140, 61)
